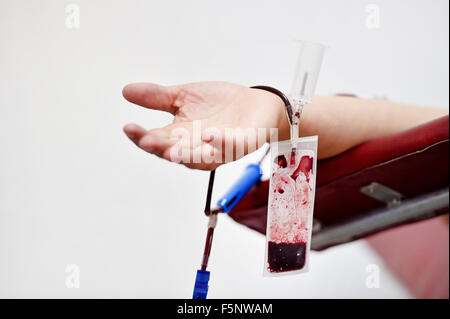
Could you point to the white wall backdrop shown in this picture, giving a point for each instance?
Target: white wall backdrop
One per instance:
(75, 190)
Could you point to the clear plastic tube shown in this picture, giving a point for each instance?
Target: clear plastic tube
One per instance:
(309, 61)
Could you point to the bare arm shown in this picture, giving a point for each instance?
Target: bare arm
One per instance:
(344, 122)
(340, 122)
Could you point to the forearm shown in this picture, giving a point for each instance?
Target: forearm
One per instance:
(340, 122)
(344, 122)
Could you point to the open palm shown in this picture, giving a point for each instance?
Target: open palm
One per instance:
(212, 105)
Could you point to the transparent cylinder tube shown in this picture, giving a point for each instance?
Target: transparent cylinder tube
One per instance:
(309, 61)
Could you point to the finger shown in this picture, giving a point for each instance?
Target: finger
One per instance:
(157, 141)
(154, 141)
(175, 143)
(134, 132)
(152, 96)
(192, 158)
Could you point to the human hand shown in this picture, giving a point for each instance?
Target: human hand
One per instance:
(216, 106)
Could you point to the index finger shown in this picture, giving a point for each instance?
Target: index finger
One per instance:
(152, 96)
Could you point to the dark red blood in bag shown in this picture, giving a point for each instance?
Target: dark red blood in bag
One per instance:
(281, 160)
(305, 166)
(292, 163)
(286, 257)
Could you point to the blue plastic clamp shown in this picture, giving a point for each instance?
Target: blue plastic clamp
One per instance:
(250, 177)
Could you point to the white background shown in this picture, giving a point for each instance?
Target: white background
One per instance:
(75, 190)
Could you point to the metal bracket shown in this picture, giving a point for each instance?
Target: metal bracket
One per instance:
(410, 210)
(317, 226)
(382, 193)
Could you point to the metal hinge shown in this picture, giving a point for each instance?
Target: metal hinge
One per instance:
(382, 193)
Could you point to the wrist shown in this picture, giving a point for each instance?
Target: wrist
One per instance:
(283, 124)
(307, 118)
(281, 120)
(274, 108)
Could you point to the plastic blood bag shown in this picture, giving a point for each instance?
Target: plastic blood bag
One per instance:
(290, 206)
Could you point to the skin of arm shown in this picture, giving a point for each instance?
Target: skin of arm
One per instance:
(340, 122)
(344, 122)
